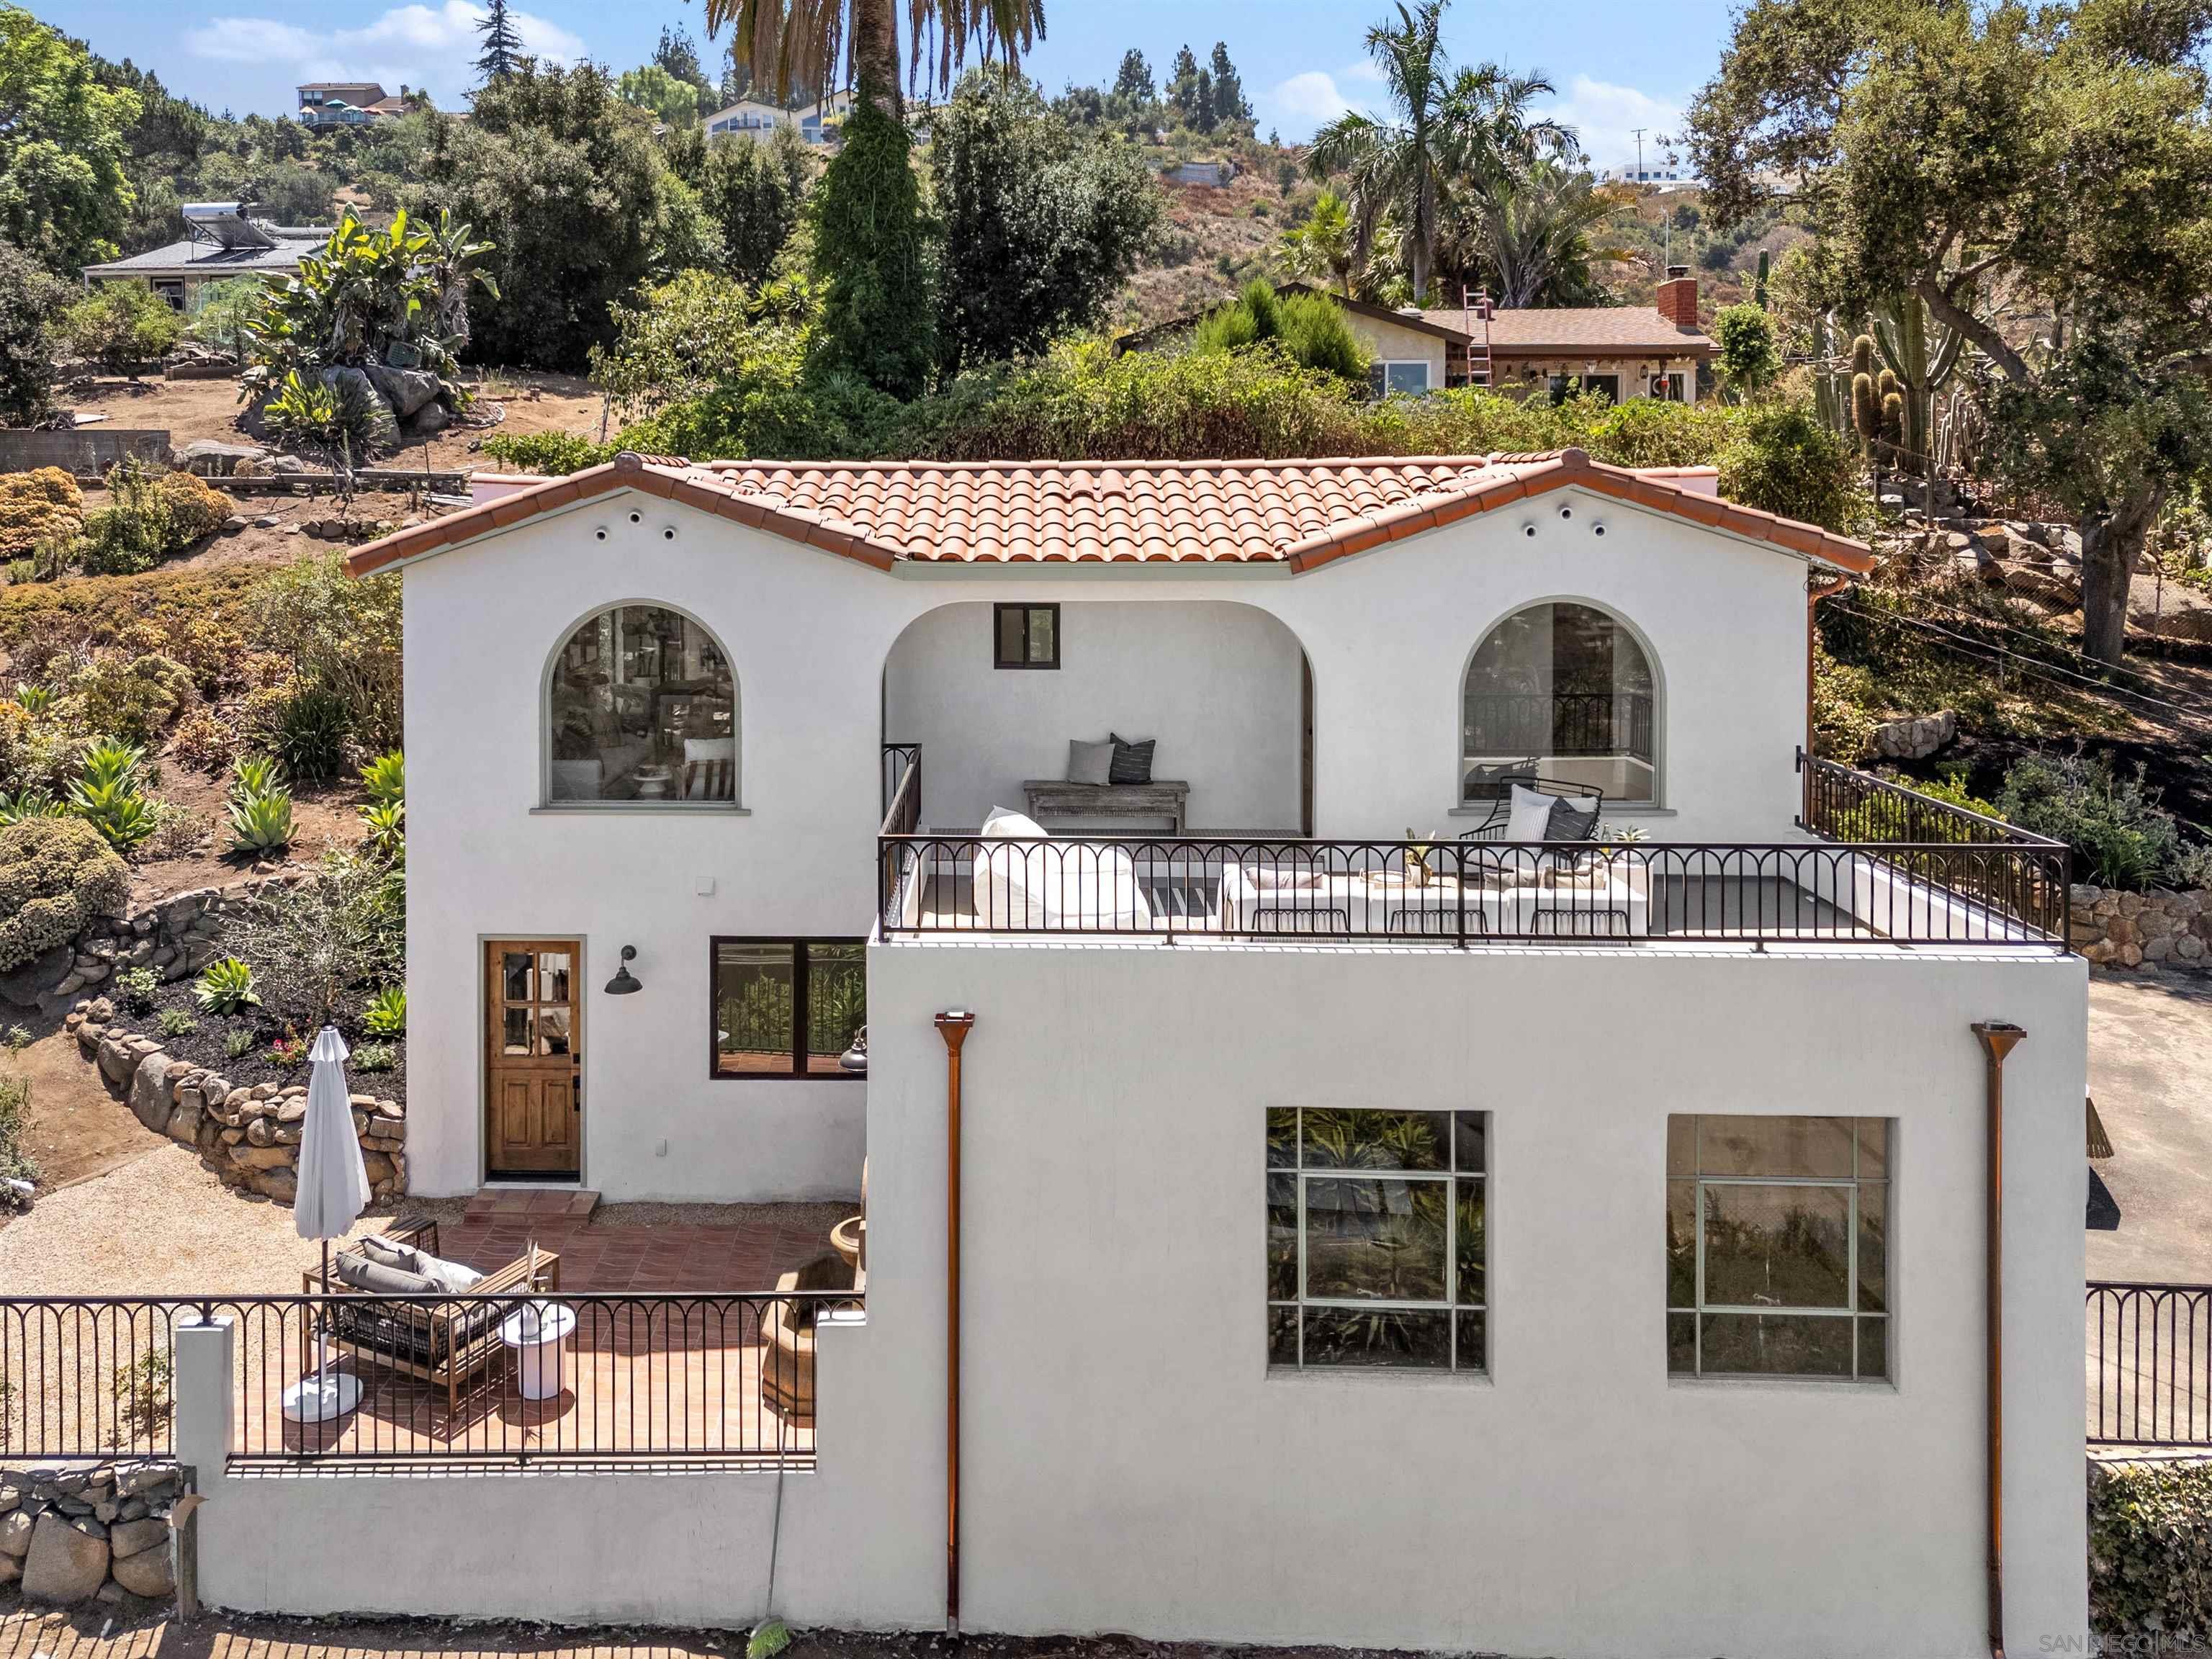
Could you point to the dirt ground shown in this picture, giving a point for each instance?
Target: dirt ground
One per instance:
(516, 402)
(28, 1634)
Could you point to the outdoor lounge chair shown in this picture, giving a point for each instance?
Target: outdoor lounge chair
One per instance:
(444, 1343)
(1501, 810)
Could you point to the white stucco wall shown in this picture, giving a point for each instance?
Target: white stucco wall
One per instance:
(1215, 682)
(1133, 1464)
(1389, 634)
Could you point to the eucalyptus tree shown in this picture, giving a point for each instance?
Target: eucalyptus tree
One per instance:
(1447, 134)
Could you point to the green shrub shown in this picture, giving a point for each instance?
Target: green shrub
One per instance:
(135, 989)
(387, 1013)
(340, 421)
(56, 875)
(326, 942)
(311, 732)
(343, 634)
(2120, 836)
(1784, 461)
(238, 1043)
(151, 515)
(133, 700)
(225, 985)
(2150, 1552)
(18, 1037)
(555, 454)
(1308, 328)
(16, 1163)
(31, 302)
(175, 1022)
(375, 1057)
(120, 325)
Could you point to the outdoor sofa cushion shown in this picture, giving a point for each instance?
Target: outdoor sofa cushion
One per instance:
(448, 1276)
(1573, 818)
(1528, 814)
(378, 1279)
(1133, 759)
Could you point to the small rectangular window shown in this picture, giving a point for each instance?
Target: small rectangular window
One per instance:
(787, 1007)
(1027, 636)
(1778, 1259)
(1406, 378)
(1375, 1239)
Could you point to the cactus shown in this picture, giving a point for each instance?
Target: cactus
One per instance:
(1892, 418)
(1865, 411)
(1922, 354)
(1830, 390)
(1862, 356)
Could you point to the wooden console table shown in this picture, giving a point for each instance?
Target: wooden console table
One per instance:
(1163, 797)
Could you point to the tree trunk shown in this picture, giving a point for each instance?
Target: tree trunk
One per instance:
(876, 55)
(2112, 543)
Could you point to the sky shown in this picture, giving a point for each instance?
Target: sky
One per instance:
(1618, 64)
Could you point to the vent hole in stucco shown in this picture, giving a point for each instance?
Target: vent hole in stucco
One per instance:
(600, 534)
(1566, 512)
(637, 517)
(1527, 529)
(668, 534)
(1597, 529)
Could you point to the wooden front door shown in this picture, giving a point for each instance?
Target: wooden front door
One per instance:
(533, 1101)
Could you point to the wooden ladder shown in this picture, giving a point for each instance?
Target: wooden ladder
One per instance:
(1476, 308)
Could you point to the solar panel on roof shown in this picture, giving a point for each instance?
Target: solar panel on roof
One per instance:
(226, 225)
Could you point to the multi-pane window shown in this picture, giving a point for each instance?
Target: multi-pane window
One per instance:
(787, 1007)
(1027, 636)
(1778, 1246)
(1376, 1238)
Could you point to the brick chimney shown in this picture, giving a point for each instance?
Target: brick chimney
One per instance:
(1678, 297)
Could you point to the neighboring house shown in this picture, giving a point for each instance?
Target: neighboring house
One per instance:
(345, 103)
(1624, 351)
(1571, 1248)
(1650, 173)
(816, 123)
(222, 239)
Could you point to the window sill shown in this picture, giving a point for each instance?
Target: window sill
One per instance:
(1864, 1385)
(643, 809)
(1348, 1377)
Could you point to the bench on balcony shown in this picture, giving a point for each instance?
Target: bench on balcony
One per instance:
(1163, 797)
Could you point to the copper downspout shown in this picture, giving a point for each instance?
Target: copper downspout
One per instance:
(1998, 1039)
(953, 1026)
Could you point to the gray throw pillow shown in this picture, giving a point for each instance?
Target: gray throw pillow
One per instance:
(1132, 761)
(1568, 823)
(1090, 762)
(377, 1279)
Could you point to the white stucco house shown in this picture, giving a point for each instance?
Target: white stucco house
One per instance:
(1568, 1240)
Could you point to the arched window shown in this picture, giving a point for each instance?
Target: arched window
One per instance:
(1564, 692)
(642, 708)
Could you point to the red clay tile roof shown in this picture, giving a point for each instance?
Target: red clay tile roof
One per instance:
(1633, 329)
(1301, 514)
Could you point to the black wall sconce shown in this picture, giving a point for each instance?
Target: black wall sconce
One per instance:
(624, 982)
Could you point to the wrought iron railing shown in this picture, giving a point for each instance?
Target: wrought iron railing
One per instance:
(1539, 724)
(900, 761)
(2150, 1364)
(726, 1377)
(1470, 892)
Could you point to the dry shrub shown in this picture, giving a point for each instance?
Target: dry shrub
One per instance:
(35, 506)
(206, 741)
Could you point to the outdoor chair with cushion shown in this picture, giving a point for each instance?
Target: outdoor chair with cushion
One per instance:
(1542, 810)
(442, 1342)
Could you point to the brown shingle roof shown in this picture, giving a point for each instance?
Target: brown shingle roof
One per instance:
(1581, 328)
(1302, 513)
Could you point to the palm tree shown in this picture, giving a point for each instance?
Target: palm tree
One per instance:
(1448, 133)
(1530, 235)
(1323, 246)
(807, 42)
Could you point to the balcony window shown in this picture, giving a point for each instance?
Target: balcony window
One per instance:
(1375, 1239)
(786, 1007)
(1778, 1247)
(1563, 692)
(641, 710)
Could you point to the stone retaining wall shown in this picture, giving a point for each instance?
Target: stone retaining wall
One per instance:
(2147, 931)
(175, 937)
(93, 1535)
(250, 1137)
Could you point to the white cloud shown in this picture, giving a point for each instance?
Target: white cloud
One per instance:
(1302, 103)
(1606, 115)
(430, 47)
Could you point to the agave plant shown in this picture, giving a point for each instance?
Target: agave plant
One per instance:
(108, 796)
(261, 823)
(387, 828)
(387, 1013)
(29, 804)
(256, 774)
(34, 699)
(385, 779)
(224, 987)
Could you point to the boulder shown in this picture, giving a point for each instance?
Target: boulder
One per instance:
(152, 1098)
(260, 1158)
(15, 1533)
(406, 389)
(354, 384)
(67, 1563)
(148, 1573)
(1917, 738)
(211, 459)
(130, 1537)
(280, 1185)
(116, 1061)
(10, 1569)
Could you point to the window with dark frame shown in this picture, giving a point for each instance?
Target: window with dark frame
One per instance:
(1026, 635)
(1377, 1235)
(785, 1007)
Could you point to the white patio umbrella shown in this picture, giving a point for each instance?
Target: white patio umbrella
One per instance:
(333, 1191)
